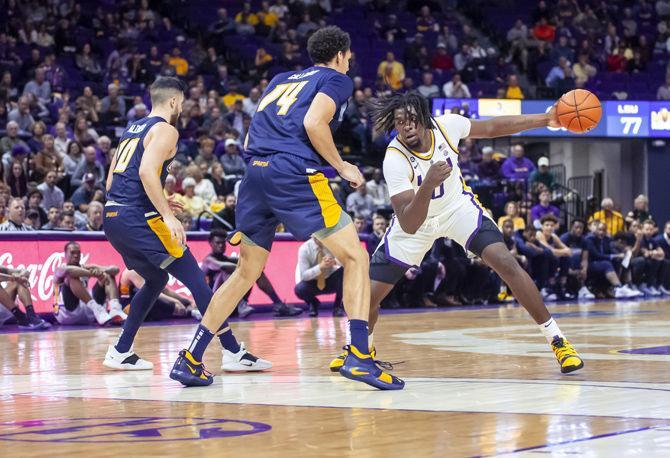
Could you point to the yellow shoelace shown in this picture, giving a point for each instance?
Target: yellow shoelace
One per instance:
(564, 350)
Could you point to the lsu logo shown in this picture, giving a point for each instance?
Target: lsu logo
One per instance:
(258, 163)
(127, 429)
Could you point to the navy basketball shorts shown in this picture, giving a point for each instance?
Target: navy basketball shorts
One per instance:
(283, 188)
(141, 237)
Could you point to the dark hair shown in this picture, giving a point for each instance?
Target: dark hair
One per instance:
(71, 242)
(77, 144)
(18, 185)
(164, 87)
(217, 233)
(383, 110)
(578, 220)
(549, 217)
(325, 43)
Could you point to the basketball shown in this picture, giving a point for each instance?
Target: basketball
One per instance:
(579, 111)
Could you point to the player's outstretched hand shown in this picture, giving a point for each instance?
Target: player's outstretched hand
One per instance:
(437, 173)
(175, 205)
(351, 173)
(176, 229)
(553, 117)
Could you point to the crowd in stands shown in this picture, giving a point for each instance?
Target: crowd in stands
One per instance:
(75, 74)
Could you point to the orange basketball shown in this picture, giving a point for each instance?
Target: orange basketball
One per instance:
(579, 111)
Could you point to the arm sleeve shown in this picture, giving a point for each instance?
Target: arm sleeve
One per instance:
(351, 203)
(78, 175)
(453, 123)
(397, 173)
(339, 88)
(534, 213)
(78, 198)
(506, 169)
(594, 253)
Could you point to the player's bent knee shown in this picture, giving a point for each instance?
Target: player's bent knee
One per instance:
(504, 264)
(248, 272)
(358, 256)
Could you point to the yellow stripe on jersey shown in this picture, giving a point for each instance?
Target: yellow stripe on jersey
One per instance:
(468, 189)
(446, 137)
(393, 148)
(425, 156)
(161, 230)
(330, 209)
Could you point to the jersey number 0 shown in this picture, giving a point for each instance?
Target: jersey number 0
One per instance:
(287, 95)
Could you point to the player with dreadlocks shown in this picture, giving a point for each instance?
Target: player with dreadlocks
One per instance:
(431, 200)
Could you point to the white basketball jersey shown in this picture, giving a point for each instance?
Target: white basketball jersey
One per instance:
(405, 169)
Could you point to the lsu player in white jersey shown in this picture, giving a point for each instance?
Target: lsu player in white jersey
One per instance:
(431, 200)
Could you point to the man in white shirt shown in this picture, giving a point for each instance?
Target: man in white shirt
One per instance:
(52, 195)
(456, 89)
(428, 89)
(317, 273)
(361, 203)
(250, 103)
(378, 190)
(61, 141)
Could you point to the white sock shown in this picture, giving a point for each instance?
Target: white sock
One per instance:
(550, 330)
(371, 340)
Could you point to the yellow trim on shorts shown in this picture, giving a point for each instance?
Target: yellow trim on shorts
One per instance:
(469, 190)
(425, 156)
(158, 227)
(446, 137)
(330, 209)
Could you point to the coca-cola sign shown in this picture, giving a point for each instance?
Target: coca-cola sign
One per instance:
(42, 257)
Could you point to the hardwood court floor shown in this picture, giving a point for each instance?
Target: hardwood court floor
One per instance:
(480, 382)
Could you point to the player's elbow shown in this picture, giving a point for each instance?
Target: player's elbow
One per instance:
(145, 172)
(408, 227)
(312, 124)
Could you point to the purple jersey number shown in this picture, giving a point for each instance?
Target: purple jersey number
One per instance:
(439, 191)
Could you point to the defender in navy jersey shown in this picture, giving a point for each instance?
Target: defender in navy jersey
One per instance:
(289, 136)
(140, 224)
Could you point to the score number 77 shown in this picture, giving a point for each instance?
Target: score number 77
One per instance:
(631, 124)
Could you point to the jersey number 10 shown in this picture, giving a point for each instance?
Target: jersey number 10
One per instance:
(437, 192)
(287, 95)
(124, 153)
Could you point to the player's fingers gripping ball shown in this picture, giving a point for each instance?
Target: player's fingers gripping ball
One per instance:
(579, 111)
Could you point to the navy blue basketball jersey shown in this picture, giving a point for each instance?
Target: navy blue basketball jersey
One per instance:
(127, 188)
(277, 126)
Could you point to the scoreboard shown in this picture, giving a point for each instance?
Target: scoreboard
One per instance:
(626, 118)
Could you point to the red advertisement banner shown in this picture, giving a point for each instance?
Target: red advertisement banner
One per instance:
(42, 257)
